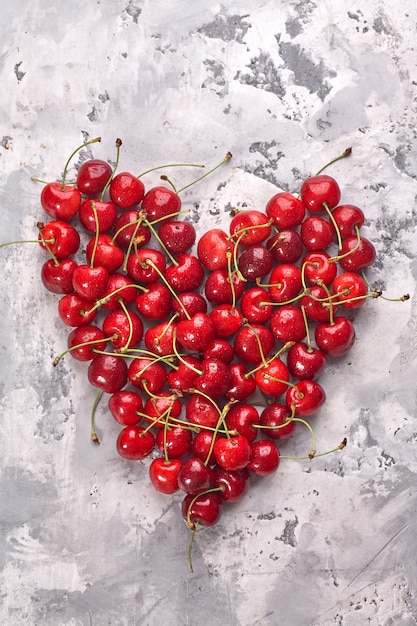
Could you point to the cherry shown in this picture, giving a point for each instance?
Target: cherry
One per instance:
(234, 484)
(97, 215)
(64, 239)
(188, 303)
(253, 342)
(241, 418)
(305, 362)
(255, 262)
(277, 422)
(218, 287)
(202, 411)
(120, 290)
(147, 374)
(355, 254)
(125, 406)
(126, 191)
(159, 409)
(92, 176)
(318, 191)
(146, 265)
(335, 338)
(285, 246)
(125, 329)
(232, 453)
(182, 378)
(317, 267)
(203, 509)
(161, 204)
(174, 442)
(135, 443)
(213, 249)
(177, 237)
(348, 218)
(317, 233)
(226, 320)
(305, 397)
(194, 476)
(202, 446)
(160, 338)
(215, 379)
(316, 304)
(107, 372)
(250, 227)
(196, 333)
(264, 458)
(351, 289)
(128, 226)
(287, 323)
(76, 311)
(84, 340)
(243, 384)
(254, 305)
(155, 302)
(285, 282)
(105, 252)
(219, 349)
(57, 275)
(163, 474)
(60, 202)
(286, 210)
(90, 282)
(272, 379)
(186, 274)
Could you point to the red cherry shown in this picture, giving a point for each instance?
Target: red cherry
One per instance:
(155, 302)
(286, 210)
(141, 265)
(182, 379)
(93, 212)
(125, 407)
(202, 446)
(204, 509)
(161, 203)
(317, 233)
(61, 202)
(306, 397)
(305, 362)
(316, 304)
(243, 385)
(264, 458)
(107, 372)
(164, 474)
(255, 262)
(128, 226)
(174, 442)
(348, 217)
(232, 453)
(76, 311)
(159, 338)
(213, 248)
(276, 421)
(226, 320)
(250, 227)
(158, 409)
(147, 374)
(218, 287)
(194, 476)
(241, 419)
(319, 190)
(287, 323)
(126, 191)
(82, 335)
(120, 289)
(188, 303)
(219, 349)
(286, 246)
(234, 484)
(186, 275)
(285, 282)
(353, 256)
(196, 333)
(215, 379)
(273, 379)
(106, 253)
(125, 329)
(254, 305)
(90, 282)
(92, 176)
(202, 411)
(177, 237)
(250, 341)
(337, 338)
(57, 275)
(134, 443)
(348, 286)
(65, 238)
(317, 268)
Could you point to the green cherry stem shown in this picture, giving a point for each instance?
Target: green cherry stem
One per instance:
(402, 298)
(116, 165)
(164, 280)
(213, 169)
(93, 342)
(341, 446)
(87, 143)
(160, 167)
(94, 436)
(344, 154)
(161, 243)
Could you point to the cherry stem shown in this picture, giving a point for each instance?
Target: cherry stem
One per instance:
(94, 436)
(44, 241)
(344, 154)
(96, 234)
(329, 301)
(116, 165)
(164, 280)
(161, 243)
(131, 242)
(169, 181)
(283, 349)
(93, 342)
(335, 226)
(160, 167)
(307, 327)
(87, 143)
(213, 169)
(341, 446)
(230, 275)
(126, 311)
(258, 341)
(402, 298)
(334, 259)
(164, 218)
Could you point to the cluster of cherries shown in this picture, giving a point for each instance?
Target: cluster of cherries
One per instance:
(210, 348)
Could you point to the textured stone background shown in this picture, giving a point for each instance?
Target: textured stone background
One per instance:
(284, 86)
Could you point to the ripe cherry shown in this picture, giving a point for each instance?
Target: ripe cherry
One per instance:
(218, 287)
(90, 282)
(226, 320)
(147, 374)
(319, 190)
(243, 384)
(264, 458)
(317, 267)
(120, 290)
(92, 176)
(57, 275)
(107, 372)
(163, 474)
(126, 191)
(286, 210)
(287, 323)
(241, 419)
(232, 453)
(351, 289)
(255, 262)
(348, 218)
(250, 227)
(174, 442)
(285, 282)
(105, 252)
(202, 411)
(64, 239)
(125, 406)
(155, 302)
(127, 227)
(197, 333)
(186, 274)
(286, 246)
(215, 379)
(305, 397)
(84, 340)
(76, 311)
(277, 422)
(187, 304)
(305, 362)
(95, 213)
(253, 342)
(234, 484)
(213, 248)
(254, 305)
(177, 237)
(134, 443)
(335, 338)
(273, 378)
(355, 254)
(317, 233)
(143, 265)
(204, 509)
(161, 204)
(194, 476)
(160, 408)
(61, 202)
(125, 329)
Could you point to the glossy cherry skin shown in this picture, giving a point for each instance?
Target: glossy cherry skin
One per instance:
(160, 408)
(60, 202)
(215, 379)
(90, 282)
(178, 237)
(285, 282)
(318, 268)
(349, 286)
(82, 335)
(202, 447)
(218, 287)
(316, 304)
(128, 225)
(273, 379)
(197, 333)
(276, 420)
(316, 233)
(161, 203)
(354, 256)
(174, 442)
(213, 249)
(232, 453)
(57, 276)
(120, 290)
(226, 320)
(134, 444)
(286, 246)
(234, 484)
(204, 509)
(202, 411)
(96, 212)
(319, 190)
(125, 406)
(160, 338)
(92, 176)
(250, 227)
(182, 379)
(107, 372)
(335, 339)
(106, 253)
(348, 218)
(243, 385)
(141, 265)
(125, 329)
(65, 238)
(155, 302)
(194, 476)
(305, 397)
(147, 374)
(264, 458)
(126, 191)
(287, 323)
(186, 275)
(286, 210)
(254, 305)
(187, 304)
(164, 475)
(305, 362)
(246, 344)
(241, 419)
(76, 311)
(255, 262)
(219, 349)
